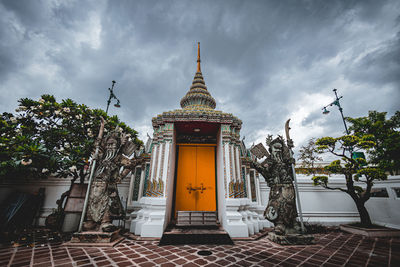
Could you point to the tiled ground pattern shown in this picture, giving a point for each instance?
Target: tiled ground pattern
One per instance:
(331, 249)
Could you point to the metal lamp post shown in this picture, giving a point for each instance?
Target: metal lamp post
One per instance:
(93, 164)
(337, 103)
(112, 95)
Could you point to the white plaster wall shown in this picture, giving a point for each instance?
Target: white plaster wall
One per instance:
(226, 160)
(153, 162)
(333, 207)
(169, 190)
(232, 162)
(237, 163)
(319, 205)
(160, 160)
(54, 188)
(131, 183)
(386, 211)
(220, 179)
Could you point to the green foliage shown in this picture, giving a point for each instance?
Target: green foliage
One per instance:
(335, 167)
(46, 137)
(385, 134)
(315, 170)
(373, 173)
(320, 180)
(380, 139)
(346, 165)
(308, 156)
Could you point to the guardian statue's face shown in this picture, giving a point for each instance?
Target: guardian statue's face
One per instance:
(276, 151)
(111, 148)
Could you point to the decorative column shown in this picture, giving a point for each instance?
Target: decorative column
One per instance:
(235, 222)
(151, 219)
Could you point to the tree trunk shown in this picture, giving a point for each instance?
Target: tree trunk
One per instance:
(364, 215)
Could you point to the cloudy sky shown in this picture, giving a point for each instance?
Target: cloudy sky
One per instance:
(263, 61)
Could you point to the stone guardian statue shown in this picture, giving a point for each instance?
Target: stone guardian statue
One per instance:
(281, 209)
(114, 163)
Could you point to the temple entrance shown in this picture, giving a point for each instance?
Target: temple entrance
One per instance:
(195, 183)
(195, 199)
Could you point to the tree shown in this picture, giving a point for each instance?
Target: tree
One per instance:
(385, 134)
(354, 169)
(46, 137)
(309, 155)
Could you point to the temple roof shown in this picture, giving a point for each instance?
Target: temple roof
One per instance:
(197, 105)
(198, 97)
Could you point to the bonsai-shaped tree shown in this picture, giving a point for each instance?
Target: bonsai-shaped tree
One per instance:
(386, 135)
(358, 169)
(49, 138)
(308, 156)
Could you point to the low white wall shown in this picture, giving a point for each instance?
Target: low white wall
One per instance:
(54, 188)
(333, 207)
(319, 205)
(386, 211)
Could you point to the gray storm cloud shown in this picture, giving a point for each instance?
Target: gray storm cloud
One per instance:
(264, 61)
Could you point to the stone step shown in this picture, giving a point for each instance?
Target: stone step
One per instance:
(186, 236)
(192, 218)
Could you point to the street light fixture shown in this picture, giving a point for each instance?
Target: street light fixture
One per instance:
(112, 95)
(337, 103)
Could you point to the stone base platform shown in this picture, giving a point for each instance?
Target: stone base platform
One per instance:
(189, 235)
(95, 239)
(370, 232)
(291, 239)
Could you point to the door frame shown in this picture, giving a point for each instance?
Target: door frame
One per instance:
(176, 176)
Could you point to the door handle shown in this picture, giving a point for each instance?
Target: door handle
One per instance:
(190, 188)
(202, 188)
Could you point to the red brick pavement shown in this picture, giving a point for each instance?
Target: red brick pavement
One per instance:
(331, 249)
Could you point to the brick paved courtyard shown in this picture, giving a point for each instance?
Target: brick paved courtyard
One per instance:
(330, 249)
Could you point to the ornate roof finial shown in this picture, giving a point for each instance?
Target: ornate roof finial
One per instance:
(198, 97)
(198, 57)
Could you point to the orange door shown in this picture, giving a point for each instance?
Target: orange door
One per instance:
(195, 185)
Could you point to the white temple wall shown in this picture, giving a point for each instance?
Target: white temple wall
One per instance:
(386, 211)
(248, 185)
(221, 180)
(333, 207)
(170, 178)
(258, 192)
(319, 205)
(227, 170)
(153, 162)
(160, 154)
(54, 188)
(237, 215)
(237, 164)
(264, 191)
(232, 162)
(155, 212)
(134, 205)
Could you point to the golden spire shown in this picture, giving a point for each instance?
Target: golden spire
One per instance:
(198, 57)
(198, 97)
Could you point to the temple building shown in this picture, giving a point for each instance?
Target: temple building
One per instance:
(197, 165)
(196, 171)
